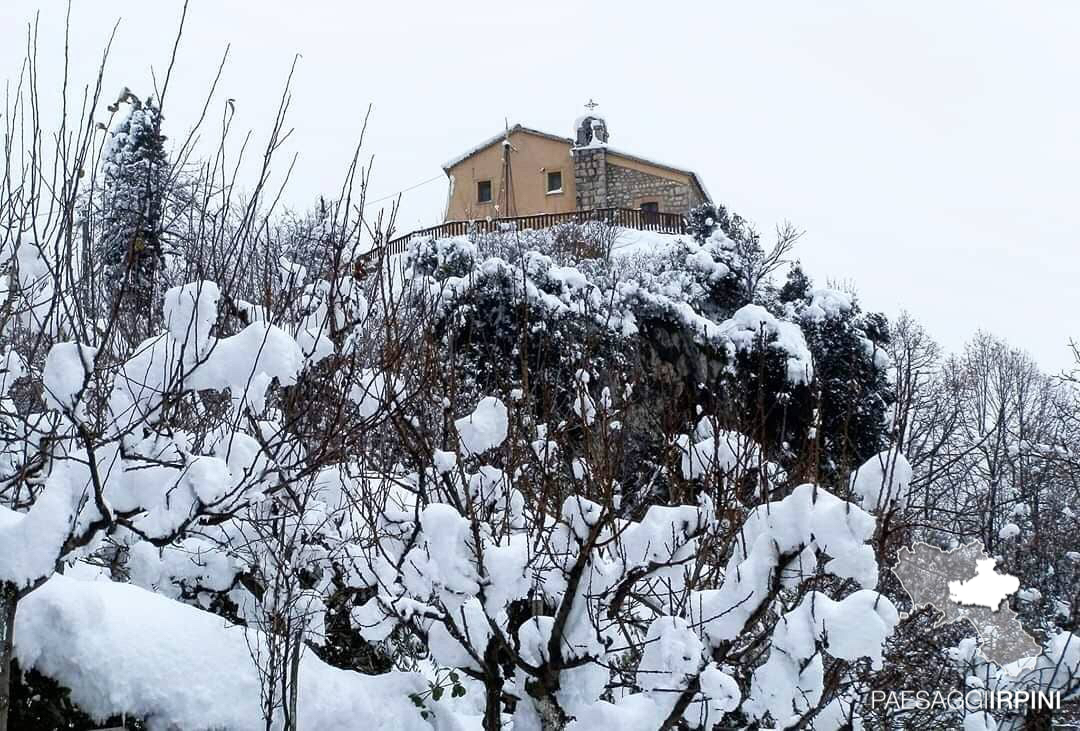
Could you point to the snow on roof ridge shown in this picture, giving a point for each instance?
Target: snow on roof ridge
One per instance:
(516, 127)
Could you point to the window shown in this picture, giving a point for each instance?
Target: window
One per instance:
(554, 181)
(650, 207)
(483, 191)
(650, 213)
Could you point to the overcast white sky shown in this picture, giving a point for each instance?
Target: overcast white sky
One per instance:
(930, 150)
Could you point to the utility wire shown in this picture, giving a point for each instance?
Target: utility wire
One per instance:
(403, 190)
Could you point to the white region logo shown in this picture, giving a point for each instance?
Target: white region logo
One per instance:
(987, 589)
(963, 584)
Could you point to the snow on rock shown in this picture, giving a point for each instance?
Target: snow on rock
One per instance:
(121, 649)
(66, 370)
(485, 428)
(883, 481)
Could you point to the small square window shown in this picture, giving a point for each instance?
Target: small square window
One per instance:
(554, 181)
(483, 191)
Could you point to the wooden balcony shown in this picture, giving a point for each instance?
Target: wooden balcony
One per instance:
(670, 223)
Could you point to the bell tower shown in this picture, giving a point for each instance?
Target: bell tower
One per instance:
(590, 129)
(590, 159)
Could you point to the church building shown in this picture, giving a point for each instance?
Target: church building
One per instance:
(523, 171)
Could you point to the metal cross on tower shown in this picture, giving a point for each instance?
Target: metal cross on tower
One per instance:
(591, 105)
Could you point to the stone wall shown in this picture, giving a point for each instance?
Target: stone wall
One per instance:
(590, 177)
(601, 184)
(626, 188)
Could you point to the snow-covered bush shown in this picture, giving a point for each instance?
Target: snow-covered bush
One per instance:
(668, 316)
(134, 449)
(567, 615)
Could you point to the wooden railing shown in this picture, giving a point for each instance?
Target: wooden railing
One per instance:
(672, 223)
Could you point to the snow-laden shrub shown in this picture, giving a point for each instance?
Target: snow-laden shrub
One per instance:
(667, 314)
(584, 618)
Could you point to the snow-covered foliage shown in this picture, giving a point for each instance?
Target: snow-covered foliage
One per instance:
(542, 488)
(675, 316)
(583, 616)
(333, 467)
(116, 468)
(558, 479)
(135, 182)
